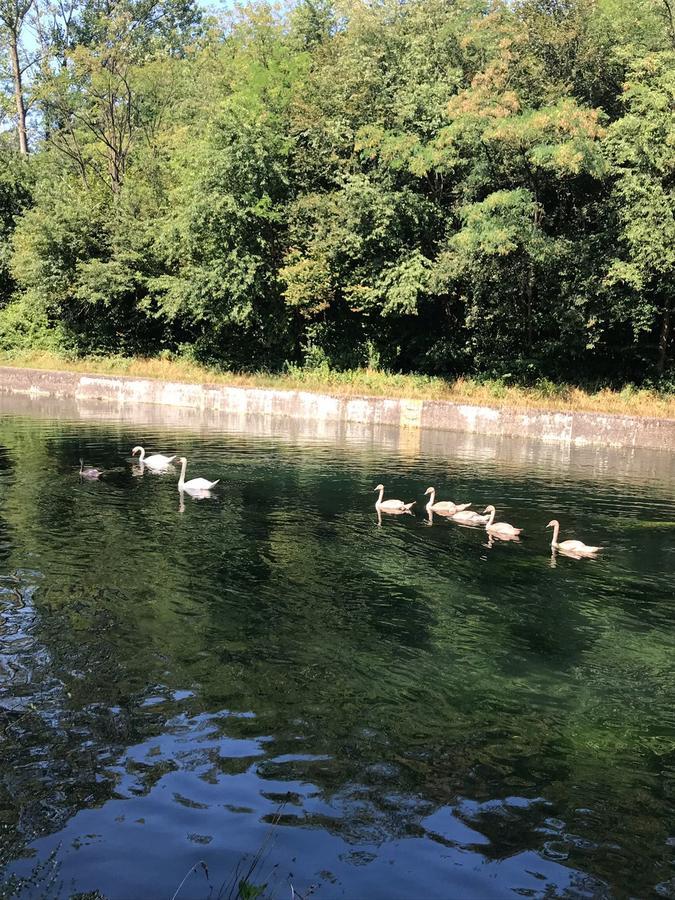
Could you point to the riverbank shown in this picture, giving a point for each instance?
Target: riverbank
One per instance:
(576, 428)
(496, 393)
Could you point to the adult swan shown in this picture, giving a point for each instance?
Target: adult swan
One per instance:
(391, 506)
(571, 548)
(194, 485)
(443, 507)
(156, 461)
(500, 529)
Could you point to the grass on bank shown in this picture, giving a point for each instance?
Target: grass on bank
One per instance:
(368, 382)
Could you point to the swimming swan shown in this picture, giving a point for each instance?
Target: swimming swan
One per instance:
(156, 461)
(574, 548)
(499, 529)
(89, 471)
(469, 517)
(195, 485)
(391, 506)
(443, 507)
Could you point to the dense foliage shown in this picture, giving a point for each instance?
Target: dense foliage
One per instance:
(433, 186)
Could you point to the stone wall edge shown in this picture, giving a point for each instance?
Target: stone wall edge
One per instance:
(571, 428)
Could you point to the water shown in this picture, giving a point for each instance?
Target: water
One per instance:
(383, 712)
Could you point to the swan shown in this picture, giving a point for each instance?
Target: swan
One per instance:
(156, 461)
(573, 548)
(89, 471)
(443, 507)
(499, 529)
(391, 506)
(195, 485)
(469, 517)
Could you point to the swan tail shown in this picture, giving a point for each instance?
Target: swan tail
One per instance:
(409, 506)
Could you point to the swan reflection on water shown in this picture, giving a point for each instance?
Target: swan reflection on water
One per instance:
(140, 469)
(500, 538)
(570, 554)
(391, 512)
(195, 495)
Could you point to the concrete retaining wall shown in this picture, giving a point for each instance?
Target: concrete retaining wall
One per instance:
(570, 428)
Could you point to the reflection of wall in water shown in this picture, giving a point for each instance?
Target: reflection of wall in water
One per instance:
(593, 463)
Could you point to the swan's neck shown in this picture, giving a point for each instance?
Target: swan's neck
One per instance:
(492, 517)
(556, 529)
(181, 480)
(141, 455)
(379, 499)
(432, 497)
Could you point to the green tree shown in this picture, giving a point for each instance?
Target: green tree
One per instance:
(641, 149)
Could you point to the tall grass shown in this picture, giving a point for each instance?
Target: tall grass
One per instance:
(371, 382)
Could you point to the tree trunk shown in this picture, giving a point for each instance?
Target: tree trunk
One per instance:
(664, 338)
(18, 91)
(529, 297)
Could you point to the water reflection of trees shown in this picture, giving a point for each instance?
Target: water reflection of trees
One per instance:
(421, 675)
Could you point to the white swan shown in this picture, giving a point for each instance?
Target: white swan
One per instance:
(573, 548)
(443, 507)
(391, 506)
(469, 517)
(194, 485)
(499, 529)
(156, 461)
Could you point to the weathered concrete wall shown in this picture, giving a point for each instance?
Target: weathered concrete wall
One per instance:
(572, 429)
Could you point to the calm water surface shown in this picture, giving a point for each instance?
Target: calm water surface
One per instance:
(386, 712)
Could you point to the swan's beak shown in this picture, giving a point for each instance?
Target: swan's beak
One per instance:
(485, 510)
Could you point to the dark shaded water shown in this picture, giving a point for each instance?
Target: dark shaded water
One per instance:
(389, 712)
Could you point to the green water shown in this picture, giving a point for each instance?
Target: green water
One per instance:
(388, 712)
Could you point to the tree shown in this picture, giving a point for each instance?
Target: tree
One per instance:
(641, 276)
(12, 18)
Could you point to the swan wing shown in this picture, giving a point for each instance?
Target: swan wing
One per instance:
(445, 506)
(392, 504)
(503, 528)
(199, 484)
(577, 547)
(470, 516)
(158, 460)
